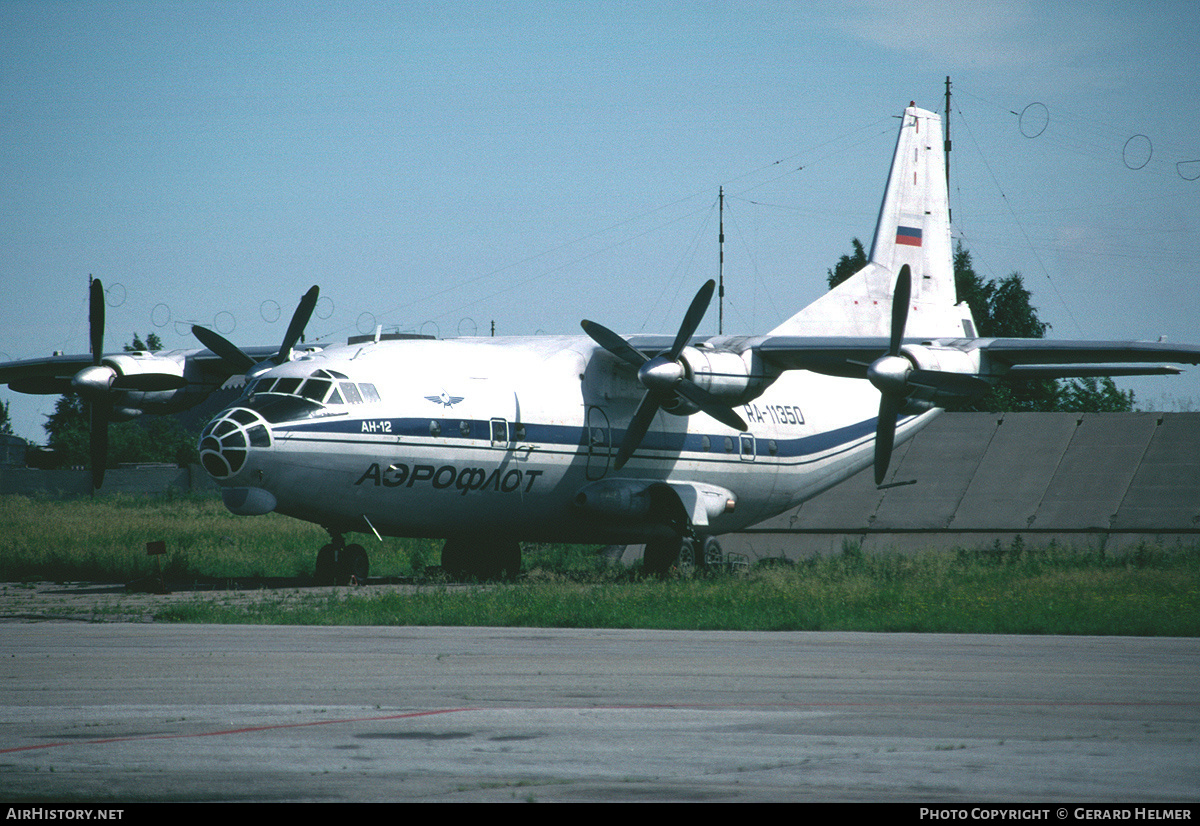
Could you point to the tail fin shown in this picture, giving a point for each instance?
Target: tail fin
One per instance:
(913, 229)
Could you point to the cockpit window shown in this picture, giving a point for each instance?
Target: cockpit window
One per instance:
(351, 393)
(316, 389)
(277, 409)
(285, 399)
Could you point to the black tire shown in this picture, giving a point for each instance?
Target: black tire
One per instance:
(670, 557)
(325, 572)
(454, 559)
(353, 565)
(712, 556)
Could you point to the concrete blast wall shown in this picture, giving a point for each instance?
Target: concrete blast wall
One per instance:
(1105, 480)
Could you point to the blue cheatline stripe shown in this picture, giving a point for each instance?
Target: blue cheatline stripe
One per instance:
(575, 438)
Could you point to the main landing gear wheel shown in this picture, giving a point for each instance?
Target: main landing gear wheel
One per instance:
(683, 557)
(712, 554)
(481, 559)
(353, 565)
(674, 557)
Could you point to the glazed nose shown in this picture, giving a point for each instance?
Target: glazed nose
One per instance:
(226, 441)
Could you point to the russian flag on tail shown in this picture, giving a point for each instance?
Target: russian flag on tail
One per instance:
(909, 236)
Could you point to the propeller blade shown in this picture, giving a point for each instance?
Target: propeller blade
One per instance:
(663, 376)
(891, 393)
(692, 319)
(237, 361)
(96, 319)
(885, 434)
(638, 426)
(299, 321)
(710, 404)
(613, 343)
(900, 300)
(98, 442)
(41, 385)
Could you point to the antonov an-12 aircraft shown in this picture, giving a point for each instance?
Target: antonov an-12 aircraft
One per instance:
(669, 441)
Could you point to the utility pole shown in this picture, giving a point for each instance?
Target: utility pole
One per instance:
(947, 144)
(721, 264)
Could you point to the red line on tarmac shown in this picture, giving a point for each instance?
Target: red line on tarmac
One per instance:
(617, 707)
(245, 730)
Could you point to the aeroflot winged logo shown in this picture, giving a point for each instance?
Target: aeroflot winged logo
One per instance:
(445, 399)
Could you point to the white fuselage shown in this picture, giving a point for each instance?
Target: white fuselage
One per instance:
(498, 436)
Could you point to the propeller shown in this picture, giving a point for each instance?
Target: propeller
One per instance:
(97, 383)
(889, 373)
(93, 384)
(236, 359)
(895, 377)
(663, 376)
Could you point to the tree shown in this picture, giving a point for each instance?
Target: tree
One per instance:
(5, 422)
(152, 344)
(1003, 309)
(848, 265)
(1090, 395)
(67, 430)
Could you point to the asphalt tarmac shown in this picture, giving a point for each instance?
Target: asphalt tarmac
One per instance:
(128, 712)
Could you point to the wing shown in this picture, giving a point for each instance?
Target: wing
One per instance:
(1040, 358)
(197, 371)
(984, 359)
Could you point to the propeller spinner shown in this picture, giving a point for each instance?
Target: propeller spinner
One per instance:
(663, 376)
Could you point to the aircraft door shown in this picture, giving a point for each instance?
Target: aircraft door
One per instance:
(747, 450)
(499, 429)
(599, 443)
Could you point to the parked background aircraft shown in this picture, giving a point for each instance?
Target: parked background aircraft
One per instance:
(664, 440)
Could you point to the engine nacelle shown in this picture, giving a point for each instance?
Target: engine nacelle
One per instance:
(942, 359)
(945, 360)
(146, 372)
(635, 499)
(734, 378)
(134, 383)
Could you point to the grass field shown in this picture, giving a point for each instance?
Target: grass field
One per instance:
(1011, 590)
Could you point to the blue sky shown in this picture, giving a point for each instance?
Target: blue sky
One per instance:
(438, 167)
